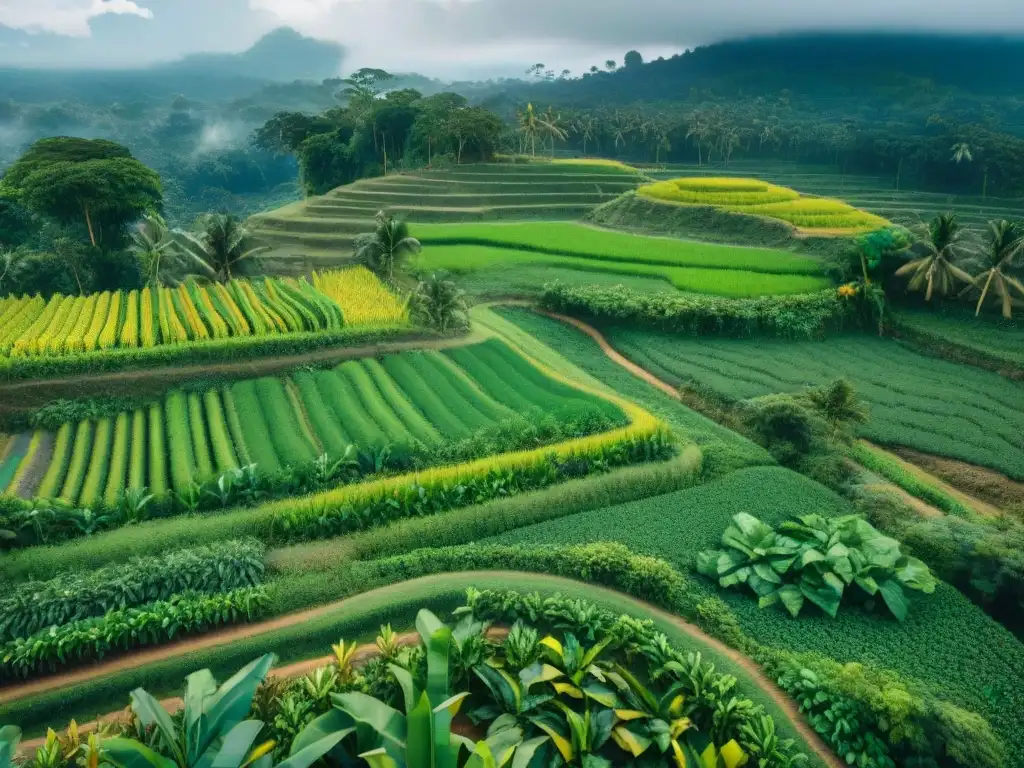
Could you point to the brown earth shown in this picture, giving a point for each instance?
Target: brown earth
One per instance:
(985, 484)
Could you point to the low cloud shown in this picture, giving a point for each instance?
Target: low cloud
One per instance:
(64, 17)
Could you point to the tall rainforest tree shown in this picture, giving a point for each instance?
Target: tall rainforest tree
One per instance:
(88, 182)
(220, 247)
(942, 243)
(390, 242)
(1004, 246)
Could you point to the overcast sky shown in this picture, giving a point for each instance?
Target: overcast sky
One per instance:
(451, 38)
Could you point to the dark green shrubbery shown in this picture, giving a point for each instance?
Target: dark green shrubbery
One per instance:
(802, 316)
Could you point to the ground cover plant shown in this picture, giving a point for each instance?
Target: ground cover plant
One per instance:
(404, 410)
(574, 239)
(921, 402)
(461, 259)
(925, 651)
(194, 313)
(993, 343)
(758, 198)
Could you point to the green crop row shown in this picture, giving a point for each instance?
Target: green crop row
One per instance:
(467, 259)
(924, 403)
(793, 317)
(212, 351)
(572, 239)
(31, 606)
(94, 638)
(891, 469)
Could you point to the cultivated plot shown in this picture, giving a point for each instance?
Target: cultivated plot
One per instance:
(920, 402)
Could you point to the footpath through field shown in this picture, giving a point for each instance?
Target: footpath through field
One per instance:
(921, 507)
(638, 607)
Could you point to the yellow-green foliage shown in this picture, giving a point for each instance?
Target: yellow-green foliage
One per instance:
(759, 198)
(363, 299)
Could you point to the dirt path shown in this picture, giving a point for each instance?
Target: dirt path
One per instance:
(922, 508)
(767, 686)
(29, 394)
(612, 354)
(983, 508)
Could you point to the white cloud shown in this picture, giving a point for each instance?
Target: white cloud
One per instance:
(64, 17)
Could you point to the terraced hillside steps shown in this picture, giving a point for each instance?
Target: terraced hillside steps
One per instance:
(322, 231)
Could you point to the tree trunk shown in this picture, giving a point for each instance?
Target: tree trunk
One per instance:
(88, 223)
(984, 186)
(899, 171)
(429, 142)
(533, 143)
(700, 158)
(584, 144)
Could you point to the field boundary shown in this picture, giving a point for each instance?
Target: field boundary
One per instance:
(22, 396)
(756, 675)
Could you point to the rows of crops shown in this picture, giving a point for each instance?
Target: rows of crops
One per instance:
(462, 259)
(920, 402)
(410, 399)
(572, 239)
(193, 313)
(929, 646)
(760, 198)
(322, 230)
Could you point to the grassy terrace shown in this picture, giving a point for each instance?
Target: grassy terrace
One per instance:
(920, 402)
(322, 230)
(685, 265)
(876, 194)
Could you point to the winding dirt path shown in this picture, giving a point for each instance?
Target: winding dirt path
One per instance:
(922, 508)
(762, 681)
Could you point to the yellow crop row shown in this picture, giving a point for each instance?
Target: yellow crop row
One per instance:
(759, 198)
(363, 299)
(193, 313)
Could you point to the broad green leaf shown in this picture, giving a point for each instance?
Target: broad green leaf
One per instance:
(236, 745)
(823, 596)
(600, 693)
(601, 724)
(421, 738)
(767, 573)
(231, 703)
(915, 574)
(568, 689)
(333, 721)
(538, 673)
(504, 743)
(732, 755)
(868, 584)
(427, 624)
(504, 688)
(629, 741)
(562, 744)
(128, 753)
(405, 682)
(389, 723)
(894, 598)
(379, 758)
(594, 652)
(526, 751)
(10, 736)
(453, 704)
(313, 751)
(810, 556)
(151, 712)
(553, 644)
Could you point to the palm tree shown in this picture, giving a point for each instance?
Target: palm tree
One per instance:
(219, 246)
(699, 131)
(1005, 244)
(586, 128)
(152, 243)
(962, 152)
(839, 406)
(551, 127)
(387, 246)
(439, 302)
(621, 127)
(943, 242)
(529, 126)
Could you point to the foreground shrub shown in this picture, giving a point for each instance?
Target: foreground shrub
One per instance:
(221, 567)
(812, 558)
(92, 639)
(802, 316)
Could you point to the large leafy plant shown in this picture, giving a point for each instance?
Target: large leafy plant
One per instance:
(814, 559)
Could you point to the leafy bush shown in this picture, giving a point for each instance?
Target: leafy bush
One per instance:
(812, 558)
(875, 719)
(31, 606)
(92, 639)
(802, 316)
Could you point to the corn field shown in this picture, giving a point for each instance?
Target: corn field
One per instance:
(31, 326)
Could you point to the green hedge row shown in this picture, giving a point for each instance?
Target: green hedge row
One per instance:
(892, 470)
(31, 606)
(218, 351)
(800, 316)
(163, 620)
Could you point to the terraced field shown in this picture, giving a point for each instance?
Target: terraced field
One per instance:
(930, 405)
(322, 230)
(400, 401)
(875, 194)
